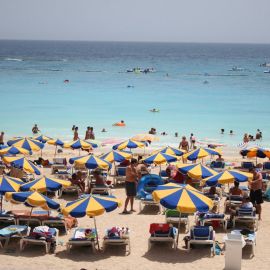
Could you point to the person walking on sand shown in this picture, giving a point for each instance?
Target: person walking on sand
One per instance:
(76, 134)
(130, 185)
(2, 138)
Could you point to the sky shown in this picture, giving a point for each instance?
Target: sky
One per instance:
(236, 21)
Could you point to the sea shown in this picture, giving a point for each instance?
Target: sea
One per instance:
(196, 88)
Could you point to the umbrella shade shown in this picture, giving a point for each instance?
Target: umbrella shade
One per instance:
(128, 144)
(9, 184)
(145, 137)
(183, 198)
(13, 150)
(172, 151)
(91, 162)
(22, 163)
(201, 153)
(43, 138)
(227, 177)
(118, 156)
(160, 158)
(44, 184)
(80, 144)
(32, 199)
(255, 152)
(26, 143)
(196, 171)
(56, 142)
(91, 206)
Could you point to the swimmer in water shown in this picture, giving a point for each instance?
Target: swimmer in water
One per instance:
(103, 130)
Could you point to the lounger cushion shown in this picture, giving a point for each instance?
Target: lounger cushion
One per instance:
(175, 213)
(201, 233)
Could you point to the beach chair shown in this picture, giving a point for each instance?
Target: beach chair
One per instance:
(246, 215)
(217, 165)
(202, 235)
(101, 190)
(42, 235)
(7, 218)
(266, 166)
(204, 218)
(147, 199)
(13, 231)
(59, 164)
(162, 232)
(56, 222)
(120, 176)
(117, 236)
(173, 216)
(232, 201)
(35, 219)
(79, 239)
(246, 165)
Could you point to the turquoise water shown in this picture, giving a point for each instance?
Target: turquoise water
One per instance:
(32, 89)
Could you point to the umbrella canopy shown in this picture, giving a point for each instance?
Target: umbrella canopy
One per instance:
(172, 151)
(201, 153)
(227, 177)
(91, 162)
(255, 152)
(118, 156)
(92, 205)
(9, 184)
(80, 144)
(145, 137)
(183, 198)
(32, 199)
(44, 184)
(56, 142)
(13, 150)
(128, 144)
(26, 143)
(3, 146)
(43, 138)
(22, 163)
(196, 171)
(160, 158)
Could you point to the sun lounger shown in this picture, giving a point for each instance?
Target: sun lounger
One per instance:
(13, 231)
(59, 164)
(120, 176)
(173, 216)
(203, 218)
(163, 175)
(246, 165)
(247, 215)
(102, 190)
(117, 236)
(217, 165)
(266, 166)
(162, 232)
(23, 217)
(55, 222)
(7, 218)
(202, 235)
(147, 199)
(41, 235)
(79, 239)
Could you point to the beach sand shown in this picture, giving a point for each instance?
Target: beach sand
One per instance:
(159, 257)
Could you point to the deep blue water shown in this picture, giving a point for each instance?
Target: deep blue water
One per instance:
(32, 88)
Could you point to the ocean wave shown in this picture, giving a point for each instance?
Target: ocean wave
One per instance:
(13, 59)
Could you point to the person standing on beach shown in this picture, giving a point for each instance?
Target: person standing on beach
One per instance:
(256, 191)
(35, 129)
(184, 144)
(2, 138)
(76, 134)
(192, 140)
(87, 134)
(92, 134)
(130, 185)
(246, 138)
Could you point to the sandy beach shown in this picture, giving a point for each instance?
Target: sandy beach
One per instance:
(161, 256)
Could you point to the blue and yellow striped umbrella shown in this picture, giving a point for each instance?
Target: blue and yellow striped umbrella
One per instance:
(91, 162)
(160, 158)
(42, 138)
(3, 147)
(13, 150)
(196, 171)
(227, 177)
(32, 199)
(128, 144)
(45, 184)
(22, 163)
(80, 144)
(56, 142)
(255, 152)
(172, 151)
(183, 198)
(118, 156)
(26, 143)
(201, 153)
(92, 205)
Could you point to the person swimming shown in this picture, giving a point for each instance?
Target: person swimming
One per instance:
(103, 130)
(154, 110)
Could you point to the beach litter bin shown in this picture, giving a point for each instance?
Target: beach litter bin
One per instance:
(234, 244)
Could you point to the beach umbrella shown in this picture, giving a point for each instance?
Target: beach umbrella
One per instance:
(13, 150)
(56, 143)
(8, 184)
(227, 177)
(160, 158)
(118, 156)
(80, 144)
(45, 184)
(3, 146)
(128, 144)
(43, 138)
(145, 138)
(196, 171)
(257, 152)
(172, 151)
(22, 163)
(91, 162)
(183, 198)
(91, 206)
(201, 153)
(26, 143)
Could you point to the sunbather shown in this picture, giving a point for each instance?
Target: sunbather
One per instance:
(77, 179)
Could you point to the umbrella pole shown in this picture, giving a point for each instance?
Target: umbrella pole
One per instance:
(30, 216)
(96, 232)
(1, 203)
(179, 224)
(55, 150)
